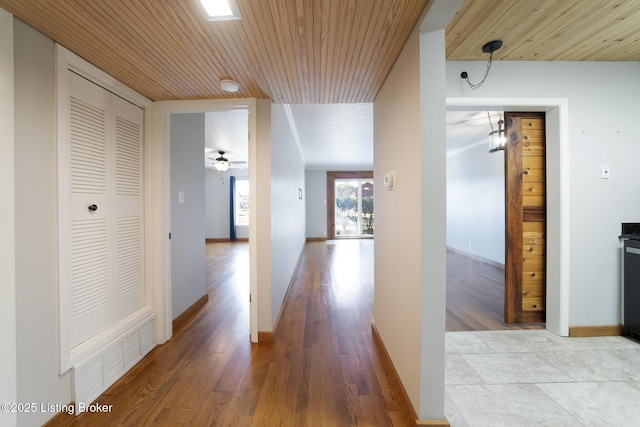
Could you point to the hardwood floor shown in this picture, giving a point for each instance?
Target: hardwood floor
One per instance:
(322, 370)
(475, 296)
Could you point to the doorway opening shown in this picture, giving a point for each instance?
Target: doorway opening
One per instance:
(557, 195)
(496, 199)
(475, 223)
(354, 207)
(350, 199)
(200, 200)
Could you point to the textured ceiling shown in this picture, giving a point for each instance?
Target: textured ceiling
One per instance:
(227, 131)
(335, 135)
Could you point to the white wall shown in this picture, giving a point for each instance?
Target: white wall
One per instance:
(433, 212)
(260, 232)
(287, 210)
(398, 251)
(602, 113)
(188, 261)
(36, 225)
(8, 385)
(216, 205)
(410, 255)
(475, 202)
(316, 203)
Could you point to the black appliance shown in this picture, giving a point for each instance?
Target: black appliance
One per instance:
(631, 279)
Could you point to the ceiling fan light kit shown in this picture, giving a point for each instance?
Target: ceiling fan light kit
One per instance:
(489, 48)
(221, 164)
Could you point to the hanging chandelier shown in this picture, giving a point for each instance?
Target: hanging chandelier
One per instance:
(497, 137)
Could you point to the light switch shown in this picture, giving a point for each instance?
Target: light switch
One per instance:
(180, 196)
(605, 172)
(390, 181)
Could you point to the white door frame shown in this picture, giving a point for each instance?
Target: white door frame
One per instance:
(558, 195)
(158, 204)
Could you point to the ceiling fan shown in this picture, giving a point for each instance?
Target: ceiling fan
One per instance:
(222, 163)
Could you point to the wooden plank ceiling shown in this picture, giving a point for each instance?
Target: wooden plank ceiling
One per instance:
(292, 51)
(314, 51)
(547, 30)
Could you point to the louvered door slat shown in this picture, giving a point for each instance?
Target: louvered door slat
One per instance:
(90, 241)
(129, 231)
(88, 146)
(127, 126)
(128, 157)
(105, 246)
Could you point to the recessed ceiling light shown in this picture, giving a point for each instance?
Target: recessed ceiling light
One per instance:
(219, 10)
(229, 85)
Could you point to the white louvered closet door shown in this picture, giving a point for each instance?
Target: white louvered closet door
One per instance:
(90, 238)
(126, 127)
(104, 248)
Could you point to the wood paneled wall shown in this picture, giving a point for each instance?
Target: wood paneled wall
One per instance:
(525, 180)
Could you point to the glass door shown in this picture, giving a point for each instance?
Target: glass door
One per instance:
(353, 208)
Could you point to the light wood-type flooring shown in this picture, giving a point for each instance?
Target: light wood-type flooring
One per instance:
(323, 369)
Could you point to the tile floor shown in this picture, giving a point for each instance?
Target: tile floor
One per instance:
(536, 378)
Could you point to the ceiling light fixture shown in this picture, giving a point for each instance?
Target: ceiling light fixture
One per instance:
(489, 48)
(497, 138)
(221, 164)
(229, 85)
(219, 10)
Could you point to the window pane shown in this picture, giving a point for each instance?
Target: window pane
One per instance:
(353, 208)
(242, 202)
(367, 208)
(346, 208)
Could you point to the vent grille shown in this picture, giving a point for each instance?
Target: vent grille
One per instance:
(129, 254)
(147, 337)
(89, 264)
(128, 158)
(93, 376)
(113, 362)
(132, 348)
(88, 148)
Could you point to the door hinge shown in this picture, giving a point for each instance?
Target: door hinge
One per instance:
(249, 297)
(169, 236)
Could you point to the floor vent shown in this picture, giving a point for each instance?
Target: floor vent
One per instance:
(93, 376)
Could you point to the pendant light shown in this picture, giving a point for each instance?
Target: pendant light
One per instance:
(497, 137)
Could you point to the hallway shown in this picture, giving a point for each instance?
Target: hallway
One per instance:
(323, 369)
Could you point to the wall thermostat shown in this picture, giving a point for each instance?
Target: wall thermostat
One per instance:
(390, 180)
